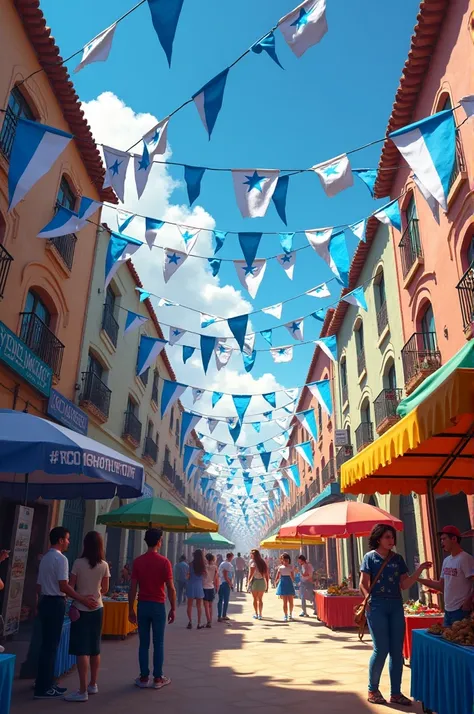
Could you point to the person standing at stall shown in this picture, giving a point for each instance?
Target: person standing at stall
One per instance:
(457, 575)
(306, 584)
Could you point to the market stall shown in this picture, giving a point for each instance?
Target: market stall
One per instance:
(158, 513)
(337, 610)
(116, 622)
(418, 617)
(7, 671)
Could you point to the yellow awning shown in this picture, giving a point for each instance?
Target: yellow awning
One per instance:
(276, 543)
(199, 522)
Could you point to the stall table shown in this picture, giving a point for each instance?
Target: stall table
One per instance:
(64, 661)
(116, 622)
(336, 610)
(7, 671)
(417, 622)
(442, 674)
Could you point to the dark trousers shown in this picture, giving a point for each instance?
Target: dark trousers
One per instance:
(239, 580)
(51, 611)
(223, 602)
(151, 615)
(181, 591)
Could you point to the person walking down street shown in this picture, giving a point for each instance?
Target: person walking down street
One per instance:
(210, 584)
(53, 588)
(195, 589)
(226, 584)
(285, 586)
(90, 574)
(306, 584)
(384, 574)
(457, 575)
(181, 574)
(151, 573)
(239, 567)
(258, 582)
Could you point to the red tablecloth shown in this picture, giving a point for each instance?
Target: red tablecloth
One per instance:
(417, 622)
(336, 610)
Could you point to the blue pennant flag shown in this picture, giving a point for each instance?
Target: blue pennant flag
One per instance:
(368, 176)
(268, 336)
(207, 348)
(206, 458)
(119, 250)
(248, 483)
(249, 243)
(165, 16)
(270, 397)
(294, 473)
(322, 391)
(144, 294)
(152, 226)
(216, 396)
(204, 485)
(234, 431)
(359, 228)
(215, 265)
(148, 351)
(285, 486)
(241, 403)
(320, 314)
(229, 460)
(134, 321)
(238, 327)
(190, 453)
(260, 448)
(390, 215)
(256, 425)
(308, 421)
(191, 470)
(187, 352)
(170, 392)
(209, 99)
(35, 149)
(357, 298)
(249, 360)
(340, 257)
(188, 422)
(279, 196)
(266, 456)
(66, 221)
(124, 223)
(277, 496)
(193, 177)
(306, 452)
(329, 346)
(267, 44)
(286, 240)
(219, 237)
(268, 415)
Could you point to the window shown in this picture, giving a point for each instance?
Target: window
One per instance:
(320, 420)
(380, 290)
(177, 427)
(360, 338)
(343, 373)
(35, 305)
(132, 407)
(17, 107)
(469, 254)
(365, 413)
(171, 418)
(110, 300)
(410, 212)
(428, 329)
(95, 366)
(149, 431)
(167, 455)
(392, 378)
(66, 197)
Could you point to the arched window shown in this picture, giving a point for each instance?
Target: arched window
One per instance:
(391, 377)
(66, 196)
(36, 306)
(380, 301)
(428, 329)
(344, 387)
(410, 244)
(17, 108)
(360, 347)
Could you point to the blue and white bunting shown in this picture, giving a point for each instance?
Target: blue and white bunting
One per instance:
(148, 351)
(238, 327)
(98, 49)
(241, 404)
(359, 228)
(279, 196)
(287, 262)
(206, 320)
(295, 328)
(270, 397)
(124, 218)
(119, 250)
(322, 392)
(134, 321)
(216, 397)
(187, 352)
(219, 239)
(254, 190)
(176, 333)
(267, 44)
(193, 177)
(390, 215)
(197, 394)
(308, 421)
(329, 346)
(306, 452)
(66, 221)
(249, 243)
(321, 291)
(256, 425)
(429, 148)
(249, 360)
(293, 472)
(35, 149)
(273, 310)
(250, 276)
(223, 353)
(430, 200)
(152, 226)
(190, 455)
(207, 348)
(211, 423)
(188, 422)
(209, 100)
(357, 298)
(165, 16)
(267, 336)
(286, 242)
(156, 138)
(304, 26)
(142, 166)
(172, 261)
(189, 236)
(170, 392)
(332, 248)
(249, 343)
(116, 164)
(215, 266)
(143, 294)
(282, 354)
(368, 176)
(285, 486)
(235, 427)
(335, 175)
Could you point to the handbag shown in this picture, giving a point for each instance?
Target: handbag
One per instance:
(360, 617)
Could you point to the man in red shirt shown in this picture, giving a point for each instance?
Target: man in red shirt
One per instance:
(151, 572)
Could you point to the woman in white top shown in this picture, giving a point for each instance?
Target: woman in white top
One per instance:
(258, 582)
(285, 587)
(210, 584)
(90, 576)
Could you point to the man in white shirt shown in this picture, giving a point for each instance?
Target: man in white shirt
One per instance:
(306, 584)
(226, 577)
(239, 567)
(457, 575)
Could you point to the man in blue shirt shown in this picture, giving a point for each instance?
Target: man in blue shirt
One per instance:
(181, 572)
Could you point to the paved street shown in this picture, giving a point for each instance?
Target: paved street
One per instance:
(269, 667)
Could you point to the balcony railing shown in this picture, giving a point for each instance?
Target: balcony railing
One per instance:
(42, 341)
(168, 471)
(5, 263)
(328, 473)
(132, 428)
(420, 357)
(7, 133)
(345, 393)
(110, 324)
(66, 246)
(360, 361)
(410, 246)
(459, 163)
(344, 454)
(95, 393)
(314, 489)
(382, 317)
(465, 289)
(385, 408)
(364, 435)
(150, 449)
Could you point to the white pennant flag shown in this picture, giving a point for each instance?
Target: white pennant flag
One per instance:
(223, 353)
(283, 423)
(285, 452)
(321, 291)
(281, 438)
(250, 275)
(189, 236)
(254, 190)
(359, 228)
(98, 49)
(116, 163)
(287, 262)
(430, 200)
(172, 260)
(319, 240)
(282, 354)
(292, 393)
(220, 445)
(304, 26)
(197, 394)
(295, 328)
(142, 166)
(163, 302)
(212, 423)
(175, 335)
(249, 343)
(335, 175)
(274, 310)
(155, 139)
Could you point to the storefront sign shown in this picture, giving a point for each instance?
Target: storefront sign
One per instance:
(19, 357)
(148, 491)
(17, 569)
(341, 437)
(67, 413)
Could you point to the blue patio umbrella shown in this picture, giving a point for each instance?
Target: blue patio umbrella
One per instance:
(39, 458)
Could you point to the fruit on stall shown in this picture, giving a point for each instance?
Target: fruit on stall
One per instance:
(461, 633)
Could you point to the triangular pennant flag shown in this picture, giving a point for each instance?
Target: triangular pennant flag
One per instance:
(188, 422)
(283, 423)
(219, 237)
(170, 392)
(197, 394)
(175, 335)
(287, 262)
(282, 438)
(65, 221)
(187, 352)
(155, 139)
(266, 456)
(305, 451)
(144, 294)
(35, 149)
(148, 351)
(285, 452)
(241, 403)
(165, 16)
(256, 425)
(124, 219)
(293, 472)
(209, 99)
(250, 276)
(270, 397)
(172, 260)
(254, 190)
(285, 486)
(267, 44)
(189, 236)
(229, 460)
(295, 328)
(332, 248)
(116, 163)
(216, 396)
(359, 229)
(249, 243)
(248, 483)
(98, 49)
(321, 291)
(215, 265)
(193, 177)
(279, 196)
(207, 348)
(220, 445)
(390, 215)
(235, 430)
(152, 226)
(328, 346)
(268, 336)
(308, 421)
(467, 104)
(191, 470)
(286, 241)
(320, 314)
(357, 298)
(162, 302)
(335, 175)
(212, 423)
(282, 354)
(207, 320)
(142, 166)
(322, 391)
(430, 200)
(223, 353)
(274, 310)
(304, 26)
(238, 327)
(190, 454)
(249, 343)
(119, 250)
(260, 448)
(368, 176)
(134, 321)
(249, 360)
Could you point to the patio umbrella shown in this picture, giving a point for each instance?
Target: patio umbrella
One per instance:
(210, 541)
(276, 543)
(158, 513)
(39, 458)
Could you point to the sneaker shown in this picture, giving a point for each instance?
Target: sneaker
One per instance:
(285, 618)
(61, 690)
(290, 617)
(260, 617)
(93, 689)
(160, 682)
(76, 697)
(255, 617)
(303, 614)
(50, 694)
(142, 682)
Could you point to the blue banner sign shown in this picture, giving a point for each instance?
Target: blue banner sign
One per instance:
(67, 413)
(19, 357)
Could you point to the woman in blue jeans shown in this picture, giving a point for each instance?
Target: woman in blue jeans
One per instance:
(385, 615)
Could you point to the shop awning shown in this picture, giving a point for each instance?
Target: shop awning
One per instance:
(433, 443)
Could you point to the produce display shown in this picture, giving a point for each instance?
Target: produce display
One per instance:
(342, 589)
(117, 597)
(436, 629)
(415, 607)
(461, 633)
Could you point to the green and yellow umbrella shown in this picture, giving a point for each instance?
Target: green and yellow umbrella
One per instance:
(209, 541)
(158, 513)
(276, 543)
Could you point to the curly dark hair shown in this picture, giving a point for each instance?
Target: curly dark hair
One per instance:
(377, 532)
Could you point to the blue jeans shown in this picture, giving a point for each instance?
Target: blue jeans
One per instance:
(454, 616)
(387, 626)
(181, 591)
(151, 614)
(224, 597)
(306, 593)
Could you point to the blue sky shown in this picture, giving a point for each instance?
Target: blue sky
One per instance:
(336, 97)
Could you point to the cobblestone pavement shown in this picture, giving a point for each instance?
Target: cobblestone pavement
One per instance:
(267, 667)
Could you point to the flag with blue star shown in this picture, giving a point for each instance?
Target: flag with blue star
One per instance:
(172, 261)
(282, 354)
(189, 236)
(98, 49)
(287, 262)
(251, 275)
(155, 138)
(197, 394)
(335, 175)
(321, 291)
(116, 163)
(273, 310)
(142, 166)
(304, 26)
(223, 353)
(254, 190)
(176, 333)
(295, 328)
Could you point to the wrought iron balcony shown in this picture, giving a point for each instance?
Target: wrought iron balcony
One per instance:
(385, 409)
(420, 357)
(360, 361)
(95, 395)
(364, 435)
(150, 449)
(345, 393)
(314, 489)
(168, 471)
(328, 473)
(66, 246)
(5, 263)
(344, 454)
(42, 341)
(382, 317)
(7, 134)
(132, 428)
(110, 324)
(410, 246)
(465, 289)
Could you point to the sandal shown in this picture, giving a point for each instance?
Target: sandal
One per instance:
(189, 626)
(400, 699)
(209, 625)
(200, 627)
(376, 698)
